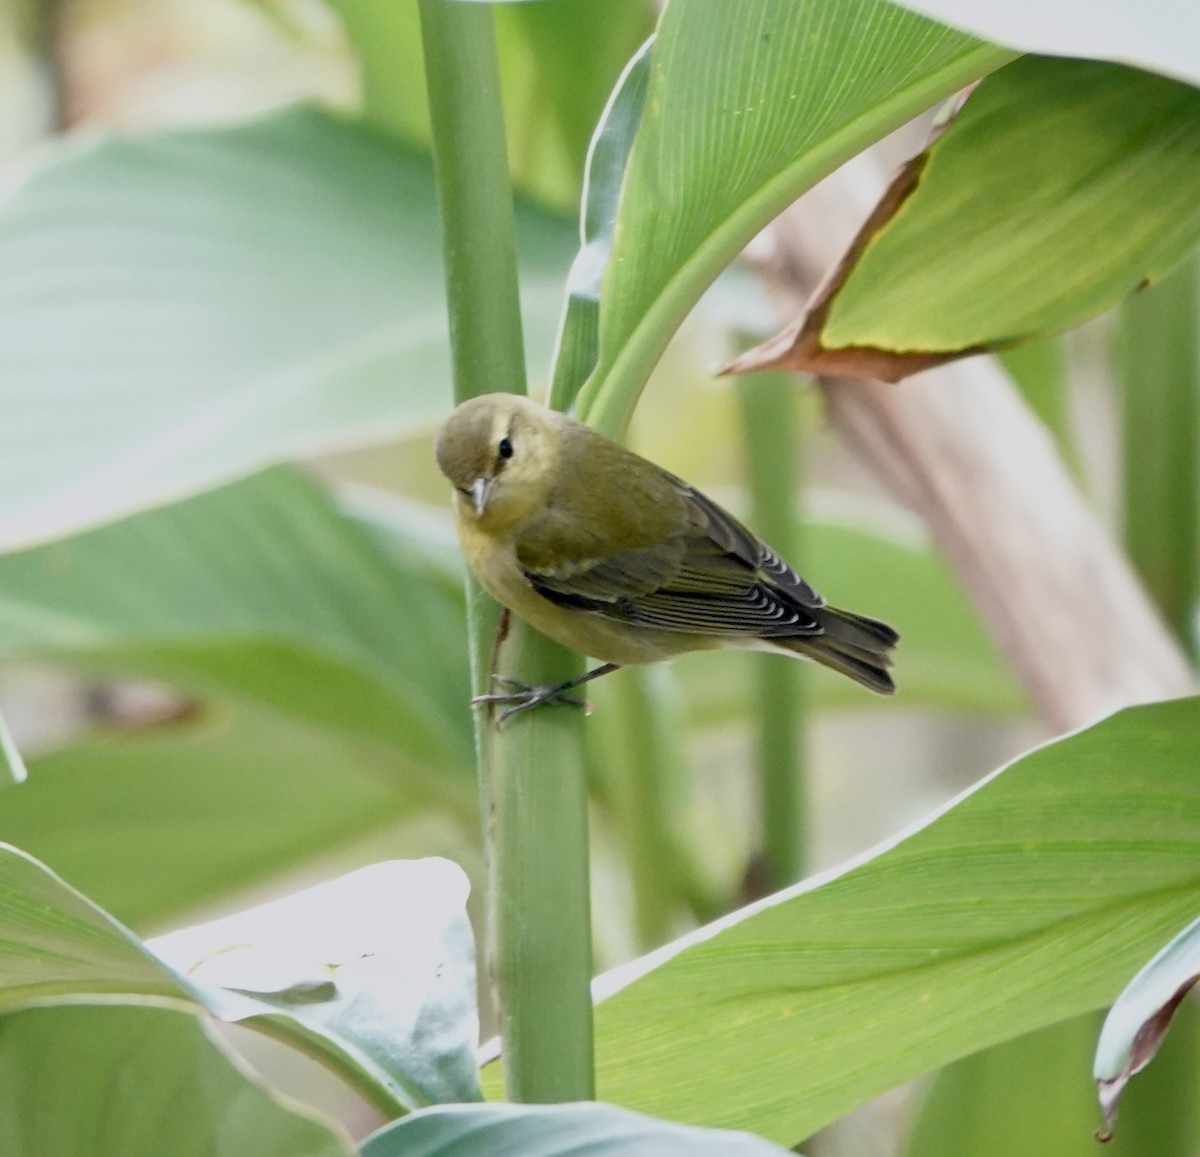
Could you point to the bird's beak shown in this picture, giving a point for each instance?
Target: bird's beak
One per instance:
(481, 489)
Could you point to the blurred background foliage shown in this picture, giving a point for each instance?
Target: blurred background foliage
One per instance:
(228, 676)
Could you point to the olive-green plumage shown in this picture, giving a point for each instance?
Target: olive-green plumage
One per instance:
(612, 556)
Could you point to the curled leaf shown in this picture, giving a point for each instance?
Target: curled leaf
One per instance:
(1138, 1021)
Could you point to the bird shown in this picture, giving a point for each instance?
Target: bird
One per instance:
(615, 557)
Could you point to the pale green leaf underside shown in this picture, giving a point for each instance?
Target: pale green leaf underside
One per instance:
(1160, 35)
(553, 1131)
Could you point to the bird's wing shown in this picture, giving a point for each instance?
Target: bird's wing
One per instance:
(710, 577)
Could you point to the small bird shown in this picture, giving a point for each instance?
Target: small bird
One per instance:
(612, 556)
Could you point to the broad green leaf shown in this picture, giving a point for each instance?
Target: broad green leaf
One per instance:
(945, 658)
(57, 945)
(1059, 188)
(1026, 901)
(179, 309)
(553, 1131)
(1160, 35)
(139, 1082)
(157, 823)
(750, 103)
(378, 964)
(260, 592)
(1138, 1021)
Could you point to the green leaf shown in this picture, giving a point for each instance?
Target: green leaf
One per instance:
(1160, 35)
(377, 966)
(1023, 903)
(578, 341)
(1032, 1095)
(1059, 188)
(1138, 1021)
(177, 310)
(139, 1082)
(262, 593)
(553, 1131)
(390, 1005)
(1029, 1095)
(750, 103)
(157, 823)
(55, 944)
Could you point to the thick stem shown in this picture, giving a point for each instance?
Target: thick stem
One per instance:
(539, 904)
(772, 435)
(533, 771)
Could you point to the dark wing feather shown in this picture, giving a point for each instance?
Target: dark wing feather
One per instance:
(712, 577)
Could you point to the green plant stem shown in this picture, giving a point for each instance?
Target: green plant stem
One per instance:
(540, 907)
(533, 770)
(772, 434)
(643, 745)
(1159, 359)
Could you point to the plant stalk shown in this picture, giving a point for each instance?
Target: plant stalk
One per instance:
(772, 435)
(533, 770)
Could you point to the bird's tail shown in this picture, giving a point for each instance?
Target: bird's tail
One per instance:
(851, 644)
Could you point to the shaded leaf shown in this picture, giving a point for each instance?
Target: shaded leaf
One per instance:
(1020, 904)
(261, 592)
(1032, 1095)
(553, 1131)
(1060, 187)
(139, 1082)
(750, 103)
(1029, 1095)
(379, 964)
(157, 823)
(180, 309)
(1138, 1021)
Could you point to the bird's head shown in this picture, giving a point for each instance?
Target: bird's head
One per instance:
(500, 453)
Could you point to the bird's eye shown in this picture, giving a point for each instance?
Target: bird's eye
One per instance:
(506, 448)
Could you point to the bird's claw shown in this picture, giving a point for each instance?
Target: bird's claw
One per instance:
(524, 697)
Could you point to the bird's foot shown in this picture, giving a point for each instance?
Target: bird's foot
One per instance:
(524, 697)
